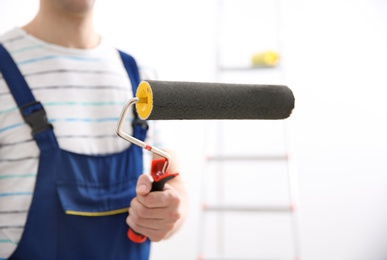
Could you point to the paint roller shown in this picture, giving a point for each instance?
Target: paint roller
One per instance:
(177, 100)
(173, 100)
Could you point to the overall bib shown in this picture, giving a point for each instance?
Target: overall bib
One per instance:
(80, 202)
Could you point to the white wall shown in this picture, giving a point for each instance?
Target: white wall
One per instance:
(336, 62)
(334, 59)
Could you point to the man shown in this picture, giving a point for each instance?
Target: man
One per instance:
(64, 193)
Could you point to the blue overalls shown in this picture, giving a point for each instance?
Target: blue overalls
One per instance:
(79, 205)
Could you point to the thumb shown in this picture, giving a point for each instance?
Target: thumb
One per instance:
(144, 184)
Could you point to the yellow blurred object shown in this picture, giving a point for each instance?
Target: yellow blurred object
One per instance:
(144, 105)
(265, 59)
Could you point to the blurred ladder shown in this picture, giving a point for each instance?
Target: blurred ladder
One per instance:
(218, 214)
(220, 208)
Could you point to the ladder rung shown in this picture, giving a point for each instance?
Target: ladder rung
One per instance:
(240, 258)
(247, 158)
(248, 208)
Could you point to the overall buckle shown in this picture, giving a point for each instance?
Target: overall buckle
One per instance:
(35, 116)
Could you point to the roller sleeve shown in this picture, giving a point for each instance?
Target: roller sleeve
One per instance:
(174, 100)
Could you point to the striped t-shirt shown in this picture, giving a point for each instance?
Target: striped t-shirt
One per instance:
(83, 92)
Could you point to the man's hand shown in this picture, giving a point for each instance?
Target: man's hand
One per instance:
(154, 214)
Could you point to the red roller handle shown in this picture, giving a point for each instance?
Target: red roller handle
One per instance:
(159, 180)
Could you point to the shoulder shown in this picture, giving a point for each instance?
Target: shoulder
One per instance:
(125, 55)
(11, 35)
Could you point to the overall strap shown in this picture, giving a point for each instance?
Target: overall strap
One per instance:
(31, 110)
(139, 126)
(132, 69)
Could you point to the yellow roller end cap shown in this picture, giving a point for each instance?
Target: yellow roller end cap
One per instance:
(145, 104)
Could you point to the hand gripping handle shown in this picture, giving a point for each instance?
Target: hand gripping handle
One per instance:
(159, 180)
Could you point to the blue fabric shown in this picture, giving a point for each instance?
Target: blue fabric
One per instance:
(12, 74)
(132, 69)
(76, 182)
(104, 179)
(139, 129)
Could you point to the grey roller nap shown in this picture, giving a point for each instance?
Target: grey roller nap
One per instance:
(173, 100)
